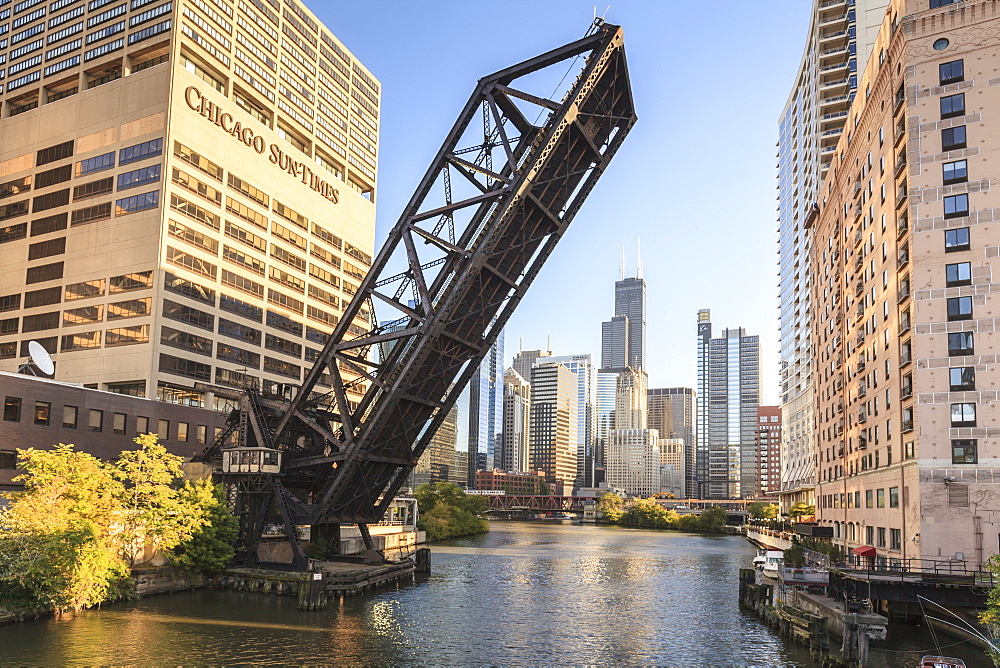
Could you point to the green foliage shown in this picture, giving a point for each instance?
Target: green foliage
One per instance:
(610, 506)
(795, 557)
(155, 514)
(210, 548)
(829, 549)
(67, 541)
(801, 509)
(991, 616)
(649, 514)
(448, 512)
(57, 549)
(762, 511)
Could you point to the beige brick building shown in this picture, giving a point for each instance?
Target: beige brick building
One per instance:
(186, 190)
(904, 319)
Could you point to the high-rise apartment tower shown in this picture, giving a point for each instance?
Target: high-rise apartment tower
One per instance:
(837, 48)
(904, 326)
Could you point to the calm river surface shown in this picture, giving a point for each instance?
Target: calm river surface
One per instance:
(526, 593)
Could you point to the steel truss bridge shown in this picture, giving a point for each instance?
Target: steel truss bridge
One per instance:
(509, 178)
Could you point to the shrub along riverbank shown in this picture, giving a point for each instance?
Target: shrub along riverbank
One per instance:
(448, 512)
(649, 514)
(71, 538)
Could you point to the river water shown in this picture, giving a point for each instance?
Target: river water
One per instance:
(526, 593)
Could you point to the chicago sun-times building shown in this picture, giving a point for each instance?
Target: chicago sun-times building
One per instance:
(186, 191)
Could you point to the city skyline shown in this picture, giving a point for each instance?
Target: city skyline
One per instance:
(741, 249)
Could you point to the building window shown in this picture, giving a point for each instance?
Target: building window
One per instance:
(163, 429)
(53, 153)
(953, 105)
(880, 498)
(934, 5)
(12, 409)
(955, 172)
(96, 164)
(147, 149)
(96, 420)
(139, 280)
(43, 412)
(960, 343)
(951, 72)
(141, 425)
(70, 414)
(958, 274)
(963, 378)
(202, 434)
(895, 539)
(960, 308)
(956, 206)
(894, 497)
(953, 138)
(964, 451)
(956, 240)
(963, 415)
(182, 432)
(118, 424)
(142, 202)
(139, 177)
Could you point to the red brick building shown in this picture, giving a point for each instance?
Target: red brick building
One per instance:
(513, 483)
(768, 440)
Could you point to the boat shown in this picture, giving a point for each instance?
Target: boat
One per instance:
(773, 561)
(941, 662)
(759, 559)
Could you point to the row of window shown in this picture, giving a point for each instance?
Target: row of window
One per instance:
(44, 415)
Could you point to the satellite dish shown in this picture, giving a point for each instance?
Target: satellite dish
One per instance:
(40, 357)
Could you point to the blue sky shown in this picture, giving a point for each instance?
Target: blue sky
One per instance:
(695, 180)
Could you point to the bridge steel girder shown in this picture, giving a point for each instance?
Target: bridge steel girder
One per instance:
(468, 260)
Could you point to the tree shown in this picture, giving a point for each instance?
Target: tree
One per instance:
(610, 506)
(446, 511)
(794, 557)
(155, 515)
(56, 537)
(647, 513)
(760, 510)
(210, 547)
(801, 509)
(712, 520)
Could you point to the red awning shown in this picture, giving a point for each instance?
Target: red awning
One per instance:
(864, 551)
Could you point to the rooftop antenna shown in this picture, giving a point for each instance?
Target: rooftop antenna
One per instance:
(638, 269)
(520, 343)
(548, 343)
(621, 267)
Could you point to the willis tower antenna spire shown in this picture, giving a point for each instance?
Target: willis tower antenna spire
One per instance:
(623, 338)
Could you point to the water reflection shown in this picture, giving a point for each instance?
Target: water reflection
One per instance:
(523, 594)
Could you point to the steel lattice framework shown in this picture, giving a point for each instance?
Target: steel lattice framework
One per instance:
(498, 196)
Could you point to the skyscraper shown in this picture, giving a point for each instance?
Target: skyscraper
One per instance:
(485, 391)
(671, 411)
(583, 367)
(768, 449)
(516, 439)
(180, 204)
(526, 359)
(837, 47)
(554, 390)
(623, 338)
(729, 393)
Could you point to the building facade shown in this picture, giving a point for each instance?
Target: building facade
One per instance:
(904, 329)
(512, 483)
(525, 360)
(729, 393)
(515, 452)
(586, 372)
(485, 391)
(673, 455)
(671, 411)
(838, 44)
(769, 439)
(623, 338)
(634, 461)
(186, 193)
(554, 422)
